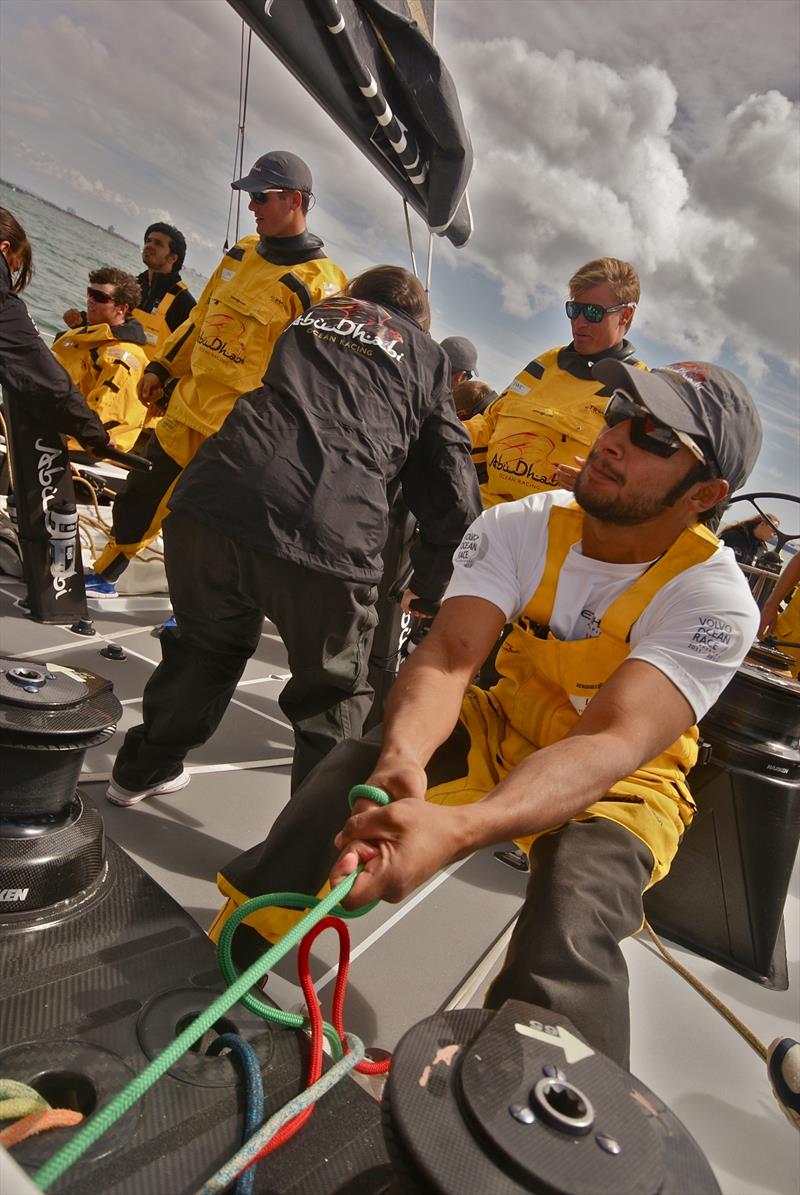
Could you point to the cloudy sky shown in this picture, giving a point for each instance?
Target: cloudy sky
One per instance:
(662, 131)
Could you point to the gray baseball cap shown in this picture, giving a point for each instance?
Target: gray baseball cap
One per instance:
(462, 353)
(704, 400)
(278, 170)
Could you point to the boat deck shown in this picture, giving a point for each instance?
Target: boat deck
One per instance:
(413, 958)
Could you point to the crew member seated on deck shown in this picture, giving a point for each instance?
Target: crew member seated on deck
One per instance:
(165, 299)
(551, 411)
(223, 348)
(629, 618)
(105, 355)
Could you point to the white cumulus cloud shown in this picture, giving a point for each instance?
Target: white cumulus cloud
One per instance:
(574, 160)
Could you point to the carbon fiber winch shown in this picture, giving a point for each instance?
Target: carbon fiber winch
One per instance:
(516, 1102)
(51, 844)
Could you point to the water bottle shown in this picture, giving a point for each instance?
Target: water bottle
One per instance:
(62, 527)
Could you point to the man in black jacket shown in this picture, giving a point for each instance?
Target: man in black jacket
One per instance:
(284, 513)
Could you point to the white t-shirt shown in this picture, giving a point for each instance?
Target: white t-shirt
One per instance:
(696, 629)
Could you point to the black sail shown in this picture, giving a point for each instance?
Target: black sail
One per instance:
(372, 66)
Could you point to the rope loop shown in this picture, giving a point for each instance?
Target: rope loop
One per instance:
(367, 792)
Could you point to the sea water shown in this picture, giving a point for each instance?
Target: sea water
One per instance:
(65, 249)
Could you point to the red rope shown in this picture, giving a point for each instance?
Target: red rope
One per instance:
(337, 1012)
(315, 1019)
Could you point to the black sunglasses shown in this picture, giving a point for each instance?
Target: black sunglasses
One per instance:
(647, 432)
(592, 312)
(99, 296)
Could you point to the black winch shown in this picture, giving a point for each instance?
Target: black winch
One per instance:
(516, 1101)
(51, 842)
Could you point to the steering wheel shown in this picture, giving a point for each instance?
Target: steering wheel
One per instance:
(782, 537)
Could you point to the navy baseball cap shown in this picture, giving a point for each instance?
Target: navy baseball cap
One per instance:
(278, 170)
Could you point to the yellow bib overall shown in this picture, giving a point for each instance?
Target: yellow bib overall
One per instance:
(155, 325)
(530, 706)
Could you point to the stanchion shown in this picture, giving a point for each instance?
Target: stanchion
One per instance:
(47, 519)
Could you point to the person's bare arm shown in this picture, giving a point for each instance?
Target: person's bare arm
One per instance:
(783, 586)
(425, 700)
(636, 715)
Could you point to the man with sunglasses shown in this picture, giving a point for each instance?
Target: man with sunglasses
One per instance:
(105, 354)
(550, 413)
(628, 620)
(223, 348)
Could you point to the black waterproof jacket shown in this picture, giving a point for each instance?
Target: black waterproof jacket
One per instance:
(355, 401)
(29, 370)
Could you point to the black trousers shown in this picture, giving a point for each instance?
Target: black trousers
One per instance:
(584, 894)
(221, 590)
(139, 509)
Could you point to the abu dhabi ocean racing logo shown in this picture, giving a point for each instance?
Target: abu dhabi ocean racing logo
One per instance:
(525, 456)
(223, 335)
(354, 325)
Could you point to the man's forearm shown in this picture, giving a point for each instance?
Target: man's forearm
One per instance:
(422, 708)
(547, 789)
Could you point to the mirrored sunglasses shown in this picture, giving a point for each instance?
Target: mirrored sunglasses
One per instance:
(593, 313)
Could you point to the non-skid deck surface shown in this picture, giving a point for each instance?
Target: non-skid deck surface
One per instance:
(410, 959)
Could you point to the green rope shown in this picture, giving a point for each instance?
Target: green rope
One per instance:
(18, 1100)
(102, 1120)
(69, 1154)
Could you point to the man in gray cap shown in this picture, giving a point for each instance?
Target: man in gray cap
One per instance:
(463, 358)
(223, 349)
(628, 620)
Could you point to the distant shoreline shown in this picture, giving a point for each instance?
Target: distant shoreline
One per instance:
(67, 212)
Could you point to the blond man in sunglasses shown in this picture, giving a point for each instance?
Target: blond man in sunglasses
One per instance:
(628, 620)
(104, 353)
(550, 413)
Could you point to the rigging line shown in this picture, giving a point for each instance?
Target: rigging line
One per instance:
(243, 118)
(236, 151)
(429, 266)
(410, 238)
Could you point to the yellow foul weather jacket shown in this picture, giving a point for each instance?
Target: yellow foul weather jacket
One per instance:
(550, 413)
(106, 369)
(223, 349)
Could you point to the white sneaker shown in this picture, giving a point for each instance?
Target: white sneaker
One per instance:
(118, 795)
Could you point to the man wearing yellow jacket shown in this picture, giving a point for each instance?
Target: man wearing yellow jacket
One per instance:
(166, 300)
(550, 413)
(105, 356)
(223, 349)
(629, 619)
